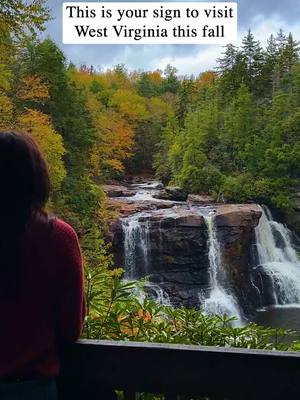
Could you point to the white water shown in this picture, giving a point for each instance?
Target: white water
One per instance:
(149, 185)
(149, 289)
(136, 244)
(145, 193)
(278, 259)
(160, 296)
(220, 301)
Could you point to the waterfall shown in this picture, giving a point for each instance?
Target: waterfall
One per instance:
(153, 291)
(137, 258)
(158, 294)
(136, 246)
(220, 300)
(278, 259)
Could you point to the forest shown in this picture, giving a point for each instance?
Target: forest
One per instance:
(231, 132)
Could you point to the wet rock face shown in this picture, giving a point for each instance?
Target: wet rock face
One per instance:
(177, 243)
(177, 254)
(236, 225)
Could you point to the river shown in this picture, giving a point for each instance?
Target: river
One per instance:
(287, 317)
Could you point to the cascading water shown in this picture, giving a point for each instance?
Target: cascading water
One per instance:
(277, 259)
(220, 301)
(276, 278)
(138, 257)
(136, 245)
(152, 291)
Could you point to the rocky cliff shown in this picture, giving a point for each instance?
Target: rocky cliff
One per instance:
(168, 242)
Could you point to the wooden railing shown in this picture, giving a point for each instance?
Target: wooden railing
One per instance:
(91, 367)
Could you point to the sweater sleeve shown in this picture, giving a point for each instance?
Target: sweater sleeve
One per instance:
(70, 296)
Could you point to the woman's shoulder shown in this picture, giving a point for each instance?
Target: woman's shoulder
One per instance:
(63, 233)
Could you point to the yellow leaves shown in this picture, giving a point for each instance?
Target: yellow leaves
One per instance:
(32, 88)
(155, 77)
(160, 110)
(115, 137)
(116, 140)
(81, 78)
(5, 77)
(6, 112)
(39, 126)
(129, 104)
(94, 161)
(115, 164)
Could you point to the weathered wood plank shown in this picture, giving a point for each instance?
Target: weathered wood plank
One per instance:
(193, 370)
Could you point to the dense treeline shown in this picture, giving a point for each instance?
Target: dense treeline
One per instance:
(237, 136)
(232, 132)
(92, 126)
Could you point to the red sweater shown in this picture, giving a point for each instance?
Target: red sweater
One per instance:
(48, 307)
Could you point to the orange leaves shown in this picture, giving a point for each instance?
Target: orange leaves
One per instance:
(144, 315)
(32, 88)
(206, 78)
(131, 325)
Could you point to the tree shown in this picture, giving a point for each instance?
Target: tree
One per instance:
(280, 40)
(228, 61)
(170, 83)
(185, 99)
(39, 126)
(253, 56)
(17, 16)
(290, 54)
(269, 69)
(146, 86)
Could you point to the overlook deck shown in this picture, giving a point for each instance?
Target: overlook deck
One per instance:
(210, 372)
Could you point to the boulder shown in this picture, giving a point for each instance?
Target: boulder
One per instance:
(126, 208)
(202, 199)
(173, 193)
(118, 191)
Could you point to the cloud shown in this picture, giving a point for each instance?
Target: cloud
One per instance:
(263, 16)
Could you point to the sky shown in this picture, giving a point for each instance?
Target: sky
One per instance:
(262, 16)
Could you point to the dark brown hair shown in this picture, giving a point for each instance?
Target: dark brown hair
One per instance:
(24, 191)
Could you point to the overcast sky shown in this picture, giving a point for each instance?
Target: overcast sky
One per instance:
(262, 16)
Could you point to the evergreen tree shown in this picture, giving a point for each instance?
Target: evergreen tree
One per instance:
(281, 41)
(185, 97)
(269, 68)
(290, 54)
(254, 59)
(229, 59)
(146, 87)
